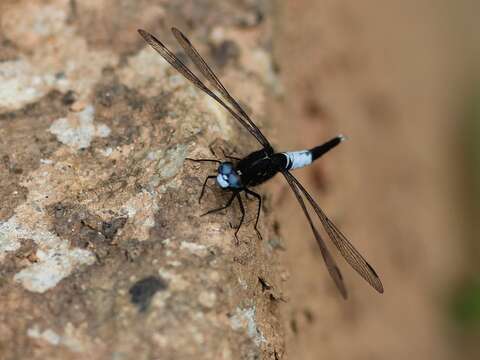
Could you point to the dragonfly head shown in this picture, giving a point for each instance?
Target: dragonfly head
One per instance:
(227, 176)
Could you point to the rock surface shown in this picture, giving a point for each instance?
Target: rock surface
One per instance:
(103, 253)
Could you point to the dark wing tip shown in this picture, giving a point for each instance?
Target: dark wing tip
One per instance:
(179, 35)
(177, 32)
(153, 41)
(340, 285)
(377, 283)
(379, 287)
(145, 34)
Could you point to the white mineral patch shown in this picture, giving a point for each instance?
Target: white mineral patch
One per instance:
(154, 155)
(11, 232)
(8, 242)
(56, 259)
(103, 130)
(174, 263)
(52, 266)
(172, 162)
(197, 249)
(47, 335)
(19, 85)
(207, 299)
(141, 210)
(46, 161)
(175, 282)
(245, 319)
(68, 339)
(166, 242)
(146, 71)
(78, 130)
(107, 151)
(33, 28)
(243, 283)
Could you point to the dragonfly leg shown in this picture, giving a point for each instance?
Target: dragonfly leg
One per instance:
(229, 202)
(230, 156)
(204, 160)
(242, 209)
(204, 185)
(259, 198)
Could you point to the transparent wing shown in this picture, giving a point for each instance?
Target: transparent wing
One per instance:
(348, 251)
(189, 75)
(332, 267)
(208, 73)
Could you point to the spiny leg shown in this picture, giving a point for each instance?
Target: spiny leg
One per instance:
(242, 209)
(204, 185)
(259, 198)
(230, 156)
(204, 160)
(208, 177)
(229, 202)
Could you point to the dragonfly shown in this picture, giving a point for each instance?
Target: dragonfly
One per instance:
(239, 175)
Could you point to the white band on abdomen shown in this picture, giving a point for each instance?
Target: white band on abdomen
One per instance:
(298, 159)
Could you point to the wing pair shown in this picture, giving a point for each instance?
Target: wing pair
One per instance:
(351, 255)
(237, 111)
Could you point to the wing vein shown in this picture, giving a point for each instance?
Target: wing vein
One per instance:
(208, 73)
(348, 251)
(189, 75)
(332, 267)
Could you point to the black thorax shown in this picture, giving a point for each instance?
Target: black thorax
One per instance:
(260, 166)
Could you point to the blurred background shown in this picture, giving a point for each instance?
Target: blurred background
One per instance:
(401, 80)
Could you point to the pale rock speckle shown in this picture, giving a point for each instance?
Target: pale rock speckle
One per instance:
(8, 243)
(197, 249)
(47, 335)
(68, 339)
(52, 266)
(245, 319)
(141, 210)
(171, 163)
(18, 86)
(107, 151)
(146, 71)
(46, 161)
(56, 260)
(243, 283)
(174, 263)
(103, 130)
(35, 28)
(78, 129)
(207, 299)
(175, 281)
(214, 276)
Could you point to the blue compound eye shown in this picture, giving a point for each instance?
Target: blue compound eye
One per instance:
(234, 180)
(225, 168)
(222, 181)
